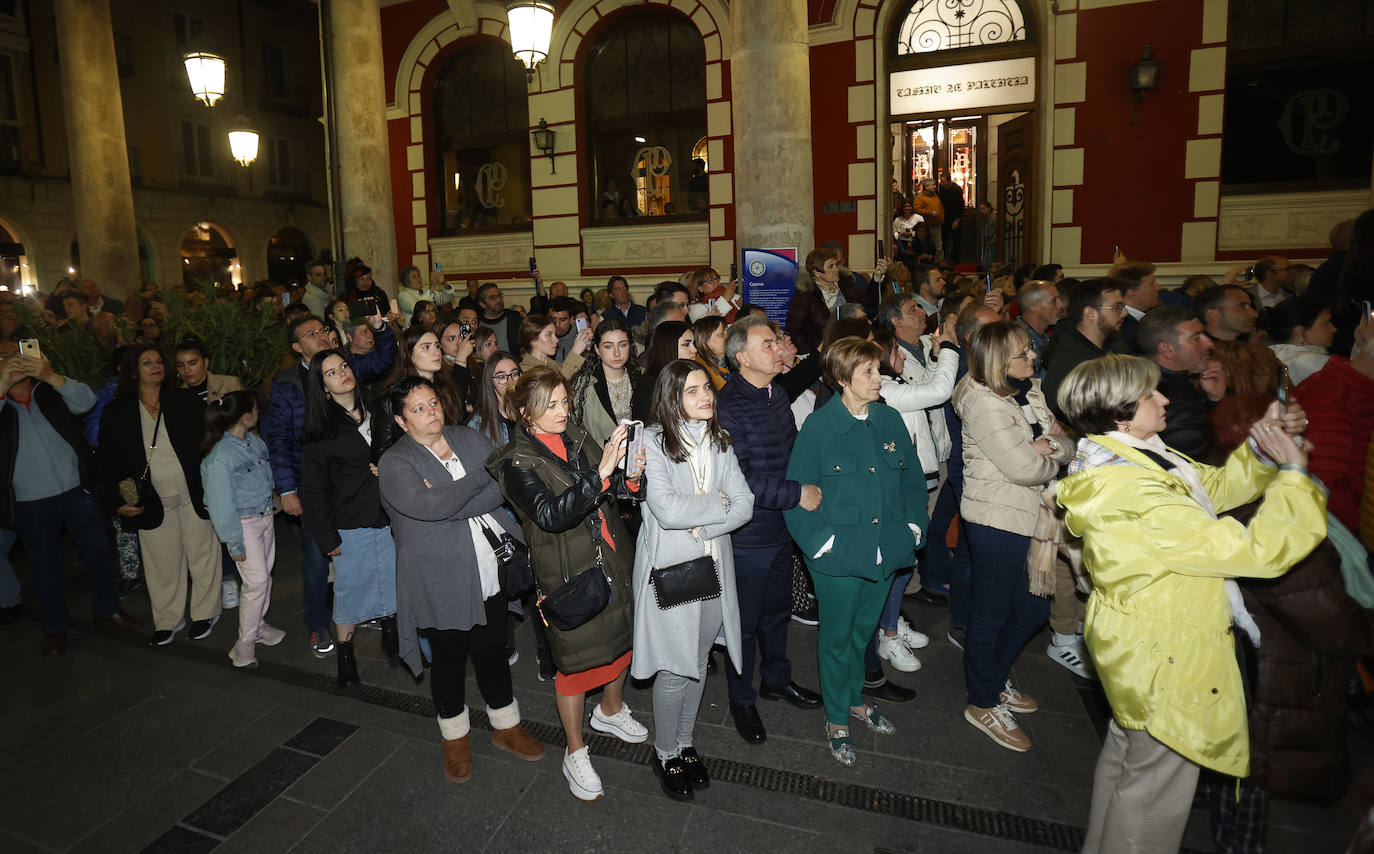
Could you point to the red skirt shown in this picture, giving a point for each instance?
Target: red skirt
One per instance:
(572, 684)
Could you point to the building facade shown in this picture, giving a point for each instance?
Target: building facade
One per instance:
(199, 216)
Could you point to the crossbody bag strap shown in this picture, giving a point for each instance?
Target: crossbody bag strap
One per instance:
(147, 457)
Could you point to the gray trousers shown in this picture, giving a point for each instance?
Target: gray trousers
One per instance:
(1142, 793)
(677, 699)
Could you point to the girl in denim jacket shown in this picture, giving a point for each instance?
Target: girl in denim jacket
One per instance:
(238, 494)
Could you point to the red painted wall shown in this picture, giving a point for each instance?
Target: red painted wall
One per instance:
(1134, 192)
(833, 145)
(399, 25)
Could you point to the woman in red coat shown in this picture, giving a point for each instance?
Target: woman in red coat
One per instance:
(1339, 402)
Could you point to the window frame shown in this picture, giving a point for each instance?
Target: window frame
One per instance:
(439, 185)
(673, 119)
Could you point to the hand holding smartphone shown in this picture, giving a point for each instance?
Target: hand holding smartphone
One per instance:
(634, 442)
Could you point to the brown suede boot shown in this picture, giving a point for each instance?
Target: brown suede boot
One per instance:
(515, 740)
(458, 759)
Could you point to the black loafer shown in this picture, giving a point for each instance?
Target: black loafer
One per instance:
(793, 693)
(748, 723)
(677, 783)
(879, 687)
(696, 769)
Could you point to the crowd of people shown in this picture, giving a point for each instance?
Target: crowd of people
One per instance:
(1179, 481)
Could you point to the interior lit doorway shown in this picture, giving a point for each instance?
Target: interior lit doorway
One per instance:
(967, 148)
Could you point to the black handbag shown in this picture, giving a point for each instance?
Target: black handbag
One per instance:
(141, 493)
(696, 580)
(580, 598)
(512, 562)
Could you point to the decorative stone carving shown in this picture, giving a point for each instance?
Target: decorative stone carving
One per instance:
(1270, 222)
(666, 245)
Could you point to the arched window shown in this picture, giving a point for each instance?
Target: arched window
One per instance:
(482, 138)
(645, 80)
(208, 258)
(932, 25)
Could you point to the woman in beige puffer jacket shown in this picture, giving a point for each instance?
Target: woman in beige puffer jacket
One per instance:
(1012, 449)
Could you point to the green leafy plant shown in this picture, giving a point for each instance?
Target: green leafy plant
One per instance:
(247, 341)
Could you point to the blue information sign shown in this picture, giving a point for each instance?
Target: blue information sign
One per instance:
(769, 279)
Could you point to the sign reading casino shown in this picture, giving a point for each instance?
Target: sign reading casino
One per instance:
(973, 86)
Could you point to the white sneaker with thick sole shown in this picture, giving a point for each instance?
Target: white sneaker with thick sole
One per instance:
(894, 652)
(582, 778)
(913, 639)
(621, 724)
(1073, 656)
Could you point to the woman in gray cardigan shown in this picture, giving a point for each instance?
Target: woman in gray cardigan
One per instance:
(698, 495)
(437, 491)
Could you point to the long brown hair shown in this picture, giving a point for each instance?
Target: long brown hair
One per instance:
(444, 385)
(666, 410)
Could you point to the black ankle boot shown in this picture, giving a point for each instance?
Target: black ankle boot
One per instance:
(348, 664)
(391, 640)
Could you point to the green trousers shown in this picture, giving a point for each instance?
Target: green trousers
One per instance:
(849, 611)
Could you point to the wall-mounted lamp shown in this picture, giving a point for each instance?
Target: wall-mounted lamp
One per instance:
(544, 138)
(1142, 76)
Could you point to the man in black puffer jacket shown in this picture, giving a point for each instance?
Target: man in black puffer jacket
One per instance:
(758, 415)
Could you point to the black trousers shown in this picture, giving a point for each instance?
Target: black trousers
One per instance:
(449, 651)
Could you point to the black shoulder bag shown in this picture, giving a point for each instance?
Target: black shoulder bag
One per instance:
(512, 561)
(140, 493)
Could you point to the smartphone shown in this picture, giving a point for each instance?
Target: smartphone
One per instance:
(360, 308)
(634, 441)
(580, 323)
(438, 266)
(29, 347)
(1247, 274)
(1368, 310)
(464, 330)
(1281, 378)
(286, 298)
(880, 249)
(734, 271)
(532, 265)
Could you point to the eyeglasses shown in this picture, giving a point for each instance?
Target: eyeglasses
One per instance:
(1117, 307)
(506, 377)
(1026, 355)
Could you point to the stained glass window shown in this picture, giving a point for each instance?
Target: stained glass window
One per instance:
(933, 25)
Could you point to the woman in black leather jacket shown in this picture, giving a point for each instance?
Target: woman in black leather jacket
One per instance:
(569, 519)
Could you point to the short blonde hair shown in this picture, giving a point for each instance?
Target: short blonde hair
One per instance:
(530, 398)
(990, 352)
(841, 359)
(1101, 392)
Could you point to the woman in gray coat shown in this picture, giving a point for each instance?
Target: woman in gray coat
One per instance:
(440, 498)
(698, 496)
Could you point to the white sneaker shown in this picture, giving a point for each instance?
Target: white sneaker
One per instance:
(621, 724)
(894, 652)
(229, 594)
(913, 639)
(1073, 656)
(582, 778)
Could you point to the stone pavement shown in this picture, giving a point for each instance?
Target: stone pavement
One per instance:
(120, 747)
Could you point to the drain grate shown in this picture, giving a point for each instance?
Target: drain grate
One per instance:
(952, 816)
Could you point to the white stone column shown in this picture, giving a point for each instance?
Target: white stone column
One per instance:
(770, 77)
(102, 194)
(361, 150)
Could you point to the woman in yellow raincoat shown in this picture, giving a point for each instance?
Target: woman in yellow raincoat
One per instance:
(1159, 620)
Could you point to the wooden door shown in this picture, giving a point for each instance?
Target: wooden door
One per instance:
(1015, 180)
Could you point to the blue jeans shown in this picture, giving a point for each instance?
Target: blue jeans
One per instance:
(892, 609)
(40, 525)
(314, 582)
(1002, 615)
(935, 568)
(763, 581)
(9, 582)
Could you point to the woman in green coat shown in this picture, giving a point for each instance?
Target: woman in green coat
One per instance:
(871, 518)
